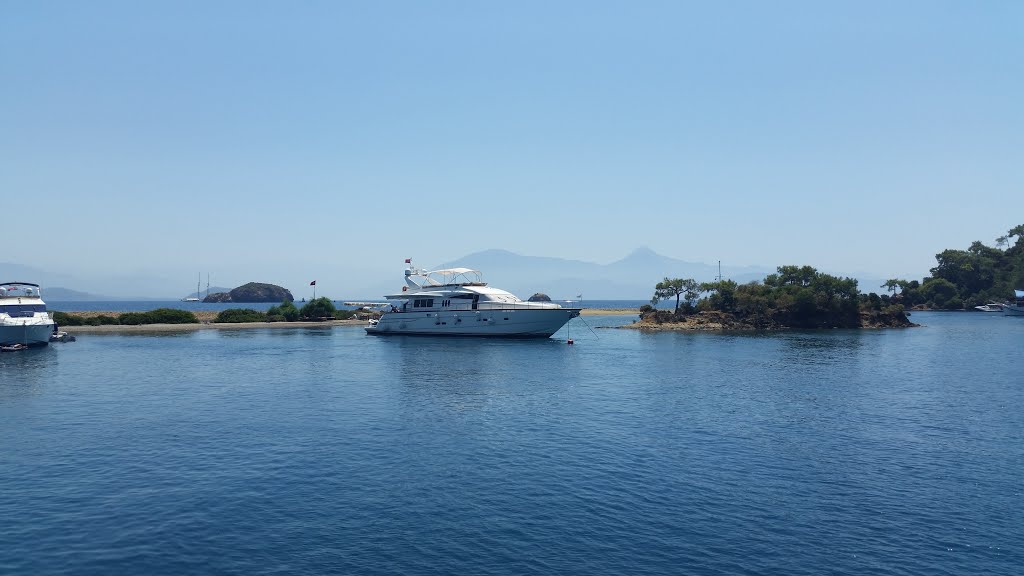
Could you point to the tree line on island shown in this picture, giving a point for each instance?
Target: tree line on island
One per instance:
(803, 297)
(795, 296)
(963, 279)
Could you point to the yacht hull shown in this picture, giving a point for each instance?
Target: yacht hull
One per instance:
(28, 334)
(496, 323)
(1011, 310)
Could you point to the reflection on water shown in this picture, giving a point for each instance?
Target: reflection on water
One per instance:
(466, 372)
(23, 372)
(804, 349)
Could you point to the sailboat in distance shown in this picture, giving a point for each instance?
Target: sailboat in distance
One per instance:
(196, 297)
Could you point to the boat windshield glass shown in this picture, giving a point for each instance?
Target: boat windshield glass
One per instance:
(22, 310)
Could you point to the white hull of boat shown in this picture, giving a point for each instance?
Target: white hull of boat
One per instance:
(30, 333)
(504, 323)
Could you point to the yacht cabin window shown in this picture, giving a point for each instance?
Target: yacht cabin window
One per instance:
(20, 310)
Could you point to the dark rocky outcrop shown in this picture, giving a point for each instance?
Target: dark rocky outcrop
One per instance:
(253, 292)
(539, 297)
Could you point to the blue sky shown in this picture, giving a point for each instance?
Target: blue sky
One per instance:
(287, 141)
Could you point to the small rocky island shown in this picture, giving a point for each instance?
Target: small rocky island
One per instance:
(253, 292)
(539, 297)
(795, 297)
(715, 320)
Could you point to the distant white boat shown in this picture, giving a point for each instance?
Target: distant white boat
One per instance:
(196, 297)
(457, 302)
(990, 307)
(24, 320)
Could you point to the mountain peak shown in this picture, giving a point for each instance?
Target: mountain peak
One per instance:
(643, 252)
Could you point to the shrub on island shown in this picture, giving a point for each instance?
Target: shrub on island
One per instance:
(239, 315)
(101, 320)
(286, 312)
(317, 309)
(158, 316)
(65, 319)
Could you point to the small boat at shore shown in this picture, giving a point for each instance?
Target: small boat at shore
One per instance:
(24, 320)
(457, 302)
(990, 307)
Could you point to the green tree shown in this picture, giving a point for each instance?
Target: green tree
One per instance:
(939, 291)
(1017, 231)
(676, 287)
(286, 312)
(892, 284)
(971, 270)
(722, 295)
(791, 276)
(318, 308)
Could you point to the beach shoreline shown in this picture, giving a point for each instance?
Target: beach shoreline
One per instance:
(206, 323)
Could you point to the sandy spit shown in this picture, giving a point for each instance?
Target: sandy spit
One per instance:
(206, 323)
(609, 311)
(158, 328)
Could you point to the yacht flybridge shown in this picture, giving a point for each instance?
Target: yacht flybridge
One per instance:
(24, 320)
(457, 302)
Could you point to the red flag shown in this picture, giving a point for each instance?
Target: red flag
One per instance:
(313, 283)
(408, 260)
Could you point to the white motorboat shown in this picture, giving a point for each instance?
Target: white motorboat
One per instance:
(457, 302)
(24, 319)
(990, 307)
(1015, 307)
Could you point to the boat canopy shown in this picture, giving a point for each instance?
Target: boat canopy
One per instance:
(1018, 293)
(454, 277)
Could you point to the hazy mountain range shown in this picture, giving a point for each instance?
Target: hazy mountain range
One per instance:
(631, 278)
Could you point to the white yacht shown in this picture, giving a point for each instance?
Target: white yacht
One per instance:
(24, 320)
(457, 302)
(1015, 307)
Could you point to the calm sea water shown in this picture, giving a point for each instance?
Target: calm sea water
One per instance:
(326, 451)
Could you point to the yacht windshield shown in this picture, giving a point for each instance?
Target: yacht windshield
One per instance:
(22, 310)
